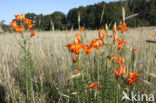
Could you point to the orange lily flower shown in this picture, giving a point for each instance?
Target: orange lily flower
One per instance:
(13, 24)
(107, 36)
(112, 58)
(122, 27)
(19, 29)
(115, 37)
(75, 48)
(30, 26)
(77, 39)
(94, 85)
(130, 82)
(70, 47)
(118, 73)
(77, 69)
(88, 49)
(120, 60)
(120, 44)
(115, 31)
(134, 49)
(74, 59)
(117, 61)
(27, 21)
(96, 43)
(132, 78)
(82, 29)
(101, 33)
(32, 33)
(20, 17)
(151, 35)
(122, 68)
(66, 32)
(114, 28)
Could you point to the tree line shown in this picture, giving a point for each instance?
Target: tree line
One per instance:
(97, 15)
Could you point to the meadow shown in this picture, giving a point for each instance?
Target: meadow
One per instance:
(54, 79)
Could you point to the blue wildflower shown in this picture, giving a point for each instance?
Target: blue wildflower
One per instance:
(41, 62)
(61, 75)
(34, 79)
(48, 60)
(152, 89)
(59, 59)
(143, 63)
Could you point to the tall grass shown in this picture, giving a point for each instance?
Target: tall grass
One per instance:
(55, 81)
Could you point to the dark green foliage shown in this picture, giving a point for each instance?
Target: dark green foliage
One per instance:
(6, 28)
(2, 94)
(59, 20)
(92, 18)
(72, 18)
(91, 15)
(45, 23)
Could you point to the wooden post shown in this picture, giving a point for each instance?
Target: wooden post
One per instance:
(151, 41)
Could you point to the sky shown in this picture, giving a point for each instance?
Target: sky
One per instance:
(8, 8)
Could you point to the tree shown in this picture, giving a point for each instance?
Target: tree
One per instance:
(59, 20)
(72, 18)
(46, 23)
(152, 12)
(97, 15)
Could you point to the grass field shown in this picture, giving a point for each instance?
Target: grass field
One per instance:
(54, 79)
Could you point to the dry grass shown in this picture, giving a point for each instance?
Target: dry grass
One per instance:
(52, 59)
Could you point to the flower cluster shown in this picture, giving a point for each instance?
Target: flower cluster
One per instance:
(95, 85)
(132, 77)
(77, 46)
(151, 35)
(20, 19)
(122, 27)
(82, 29)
